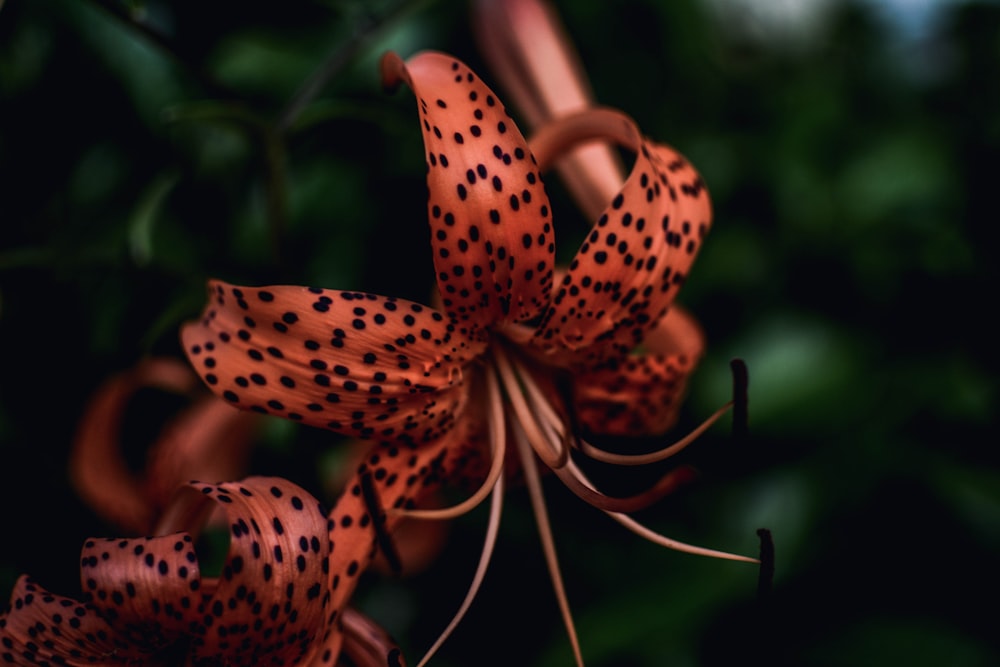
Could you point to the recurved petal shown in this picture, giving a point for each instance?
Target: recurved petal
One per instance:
(40, 628)
(490, 221)
(358, 364)
(97, 464)
(272, 597)
(639, 394)
(367, 644)
(147, 588)
(629, 269)
(208, 440)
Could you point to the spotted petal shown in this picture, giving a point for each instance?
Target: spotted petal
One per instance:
(628, 271)
(490, 221)
(269, 602)
(396, 476)
(640, 394)
(41, 628)
(359, 364)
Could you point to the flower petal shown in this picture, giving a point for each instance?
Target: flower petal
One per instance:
(208, 440)
(147, 588)
(41, 628)
(490, 220)
(272, 597)
(355, 363)
(367, 644)
(527, 48)
(269, 603)
(97, 465)
(640, 394)
(188, 447)
(629, 269)
(396, 476)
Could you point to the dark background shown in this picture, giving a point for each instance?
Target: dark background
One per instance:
(851, 157)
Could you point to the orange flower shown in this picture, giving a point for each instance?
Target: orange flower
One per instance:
(147, 601)
(518, 352)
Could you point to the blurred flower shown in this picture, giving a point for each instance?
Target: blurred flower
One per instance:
(148, 602)
(508, 357)
(205, 440)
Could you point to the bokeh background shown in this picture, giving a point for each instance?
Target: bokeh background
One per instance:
(850, 149)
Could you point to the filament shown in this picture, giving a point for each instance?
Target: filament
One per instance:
(662, 540)
(534, 484)
(492, 529)
(552, 450)
(605, 456)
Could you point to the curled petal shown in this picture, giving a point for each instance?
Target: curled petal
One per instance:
(147, 588)
(209, 440)
(367, 644)
(188, 447)
(97, 464)
(489, 214)
(527, 48)
(627, 272)
(640, 394)
(41, 628)
(270, 600)
(358, 364)
(273, 588)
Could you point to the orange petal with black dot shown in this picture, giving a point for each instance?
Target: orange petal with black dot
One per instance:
(395, 476)
(359, 364)
(630, 267)
(272, 595)
(491, 227)
(640, 394)
(41, 628)
(147, 588)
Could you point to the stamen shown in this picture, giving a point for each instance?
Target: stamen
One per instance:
(652, 457)
(553, 452)
(498, 449)
(662, 540)
(492, 529)
(534, 484)
(575, 481)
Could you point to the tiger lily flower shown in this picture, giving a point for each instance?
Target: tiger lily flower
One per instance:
(188, 447)
(147, 602)
(521, 360)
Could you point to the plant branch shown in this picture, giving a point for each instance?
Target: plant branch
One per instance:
(366, 28)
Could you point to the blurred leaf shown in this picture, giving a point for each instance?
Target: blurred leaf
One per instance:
(144, 218)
